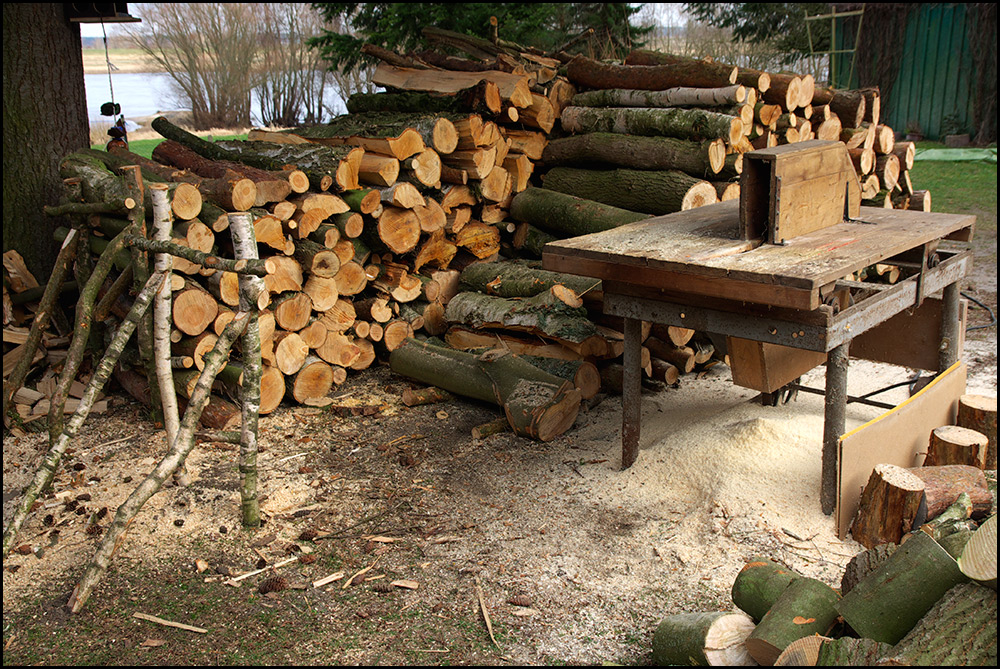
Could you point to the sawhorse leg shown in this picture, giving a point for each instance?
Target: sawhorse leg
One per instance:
(834, 422)
(631, 392)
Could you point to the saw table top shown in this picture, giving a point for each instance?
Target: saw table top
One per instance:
(699, 252)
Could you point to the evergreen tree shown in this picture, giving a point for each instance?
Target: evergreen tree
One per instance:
(545, 26)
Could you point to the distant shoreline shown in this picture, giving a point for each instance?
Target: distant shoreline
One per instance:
(132, 61)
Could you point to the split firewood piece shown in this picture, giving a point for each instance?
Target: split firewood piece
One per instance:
(889, 506)
(340, 317)
(372, 132)
(512, 87)
(711, 639)
(232, 192)
(465, 339)
(759, 584)
(378, 170)
(423, 168)
(651, 192)
(943, 484)
(953, 445)
(477, 162)
(888, 603)
(480, 239)
(196, 348)
(806, 607)
(283, 274)
(639, 152)
(687, 124)
(979, 413)
(959, 629)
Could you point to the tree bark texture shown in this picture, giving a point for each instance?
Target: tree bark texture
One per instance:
(701, 159)
(645, 191)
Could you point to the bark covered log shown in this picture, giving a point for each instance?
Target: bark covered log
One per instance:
(701, 159)
(645, 191)
(689, 124)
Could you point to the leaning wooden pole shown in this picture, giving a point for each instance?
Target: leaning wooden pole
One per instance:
(83, 321)
(47, 470)
(179, 450)
(162, 309)
(245, 246)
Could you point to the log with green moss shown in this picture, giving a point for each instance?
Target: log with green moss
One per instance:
(888, 603)
(689, 124)
(702, 639)
(806, 607)
(652, 192)
(759, 584)
(537, 404)
(544, 315)
(565, 215)
(518, 279)
(959, 630)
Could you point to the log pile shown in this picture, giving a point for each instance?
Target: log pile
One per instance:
(923, 592)
(370, 223)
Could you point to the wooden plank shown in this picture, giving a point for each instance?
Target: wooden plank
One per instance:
(767, 367)
(897, 437)
(911, 338)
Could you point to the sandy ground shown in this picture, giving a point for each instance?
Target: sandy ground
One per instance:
(603, 554)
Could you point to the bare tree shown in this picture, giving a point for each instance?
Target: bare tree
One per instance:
(209, 50)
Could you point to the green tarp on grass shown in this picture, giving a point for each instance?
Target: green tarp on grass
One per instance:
(958, 155)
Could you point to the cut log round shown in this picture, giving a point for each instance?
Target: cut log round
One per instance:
(979, 557)
(979, 413)
(712, 639)
(889, 506)
(290, 352)
(292, 310)
(194, 309)
(953, 445)
(312, 382)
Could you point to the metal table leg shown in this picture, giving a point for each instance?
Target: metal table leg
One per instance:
(834, 422)
(632, 389)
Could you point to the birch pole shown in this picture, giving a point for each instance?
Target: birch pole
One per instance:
(179, 450)
(162, 308)
(245, 247)
(47, 470)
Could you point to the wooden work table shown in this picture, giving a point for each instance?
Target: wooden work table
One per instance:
(691, 269)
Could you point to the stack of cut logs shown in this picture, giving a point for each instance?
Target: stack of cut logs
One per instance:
(419, 213)
(923, 593)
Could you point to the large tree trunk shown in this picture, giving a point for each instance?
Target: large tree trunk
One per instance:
(591, 73)
(689, 124)
(42, 51)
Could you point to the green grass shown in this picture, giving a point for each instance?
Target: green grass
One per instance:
(959, 188)
(144, 147)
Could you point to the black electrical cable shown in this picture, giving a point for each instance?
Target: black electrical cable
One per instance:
(993, 318)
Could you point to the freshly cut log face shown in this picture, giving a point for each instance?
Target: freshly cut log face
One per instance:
(713, 639)
(888, 506)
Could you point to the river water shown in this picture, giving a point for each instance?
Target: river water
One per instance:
(148, 93)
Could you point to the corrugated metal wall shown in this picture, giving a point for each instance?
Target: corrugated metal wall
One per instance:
(935, 73)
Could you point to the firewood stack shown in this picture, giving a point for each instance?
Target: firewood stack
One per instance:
(372, 225)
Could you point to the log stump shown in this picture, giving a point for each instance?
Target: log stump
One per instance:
(888, 507)
(712, 639)
(979, 413)
(954, 445)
